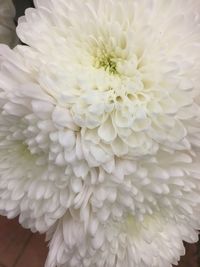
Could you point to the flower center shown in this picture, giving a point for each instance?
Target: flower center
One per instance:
(107, 61)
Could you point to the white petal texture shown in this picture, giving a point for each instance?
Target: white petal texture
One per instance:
(154, 242)
(7, 26)
(99, 130)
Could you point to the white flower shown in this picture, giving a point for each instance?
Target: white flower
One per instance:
(7, 26)
(154, 242)
(99, 129)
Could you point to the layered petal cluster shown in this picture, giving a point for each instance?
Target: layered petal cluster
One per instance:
(99, 130)
(154, 242)
(7, 26)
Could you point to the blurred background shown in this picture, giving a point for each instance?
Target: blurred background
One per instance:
(20, 248)
(20, 6)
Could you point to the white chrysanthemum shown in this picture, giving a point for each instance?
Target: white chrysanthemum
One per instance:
(7, 26)
(99, 123)
(157, 241)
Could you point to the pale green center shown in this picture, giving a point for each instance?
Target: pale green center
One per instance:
(107, 61)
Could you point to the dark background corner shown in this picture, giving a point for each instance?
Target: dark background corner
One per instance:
(20, 6)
